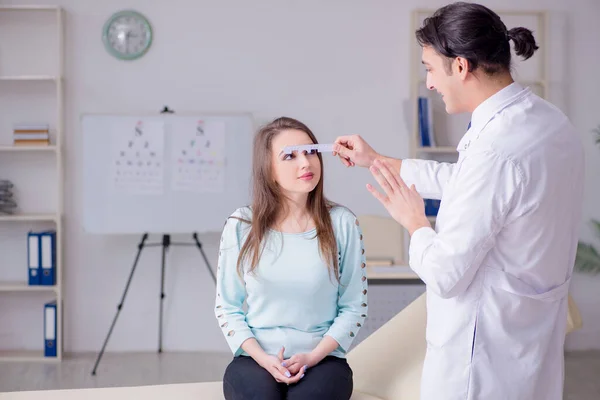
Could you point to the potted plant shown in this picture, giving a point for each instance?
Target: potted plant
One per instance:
(588, 258)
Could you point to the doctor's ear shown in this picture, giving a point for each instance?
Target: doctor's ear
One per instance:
(461, 66)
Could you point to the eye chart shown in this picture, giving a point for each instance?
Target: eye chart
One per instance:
(198, 155)
(138, 157)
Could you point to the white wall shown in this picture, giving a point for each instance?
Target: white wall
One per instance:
(340, 66)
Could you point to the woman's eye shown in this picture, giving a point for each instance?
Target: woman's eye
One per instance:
(288, 156)
(312, 152)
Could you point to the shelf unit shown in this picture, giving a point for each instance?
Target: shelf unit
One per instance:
(511, 18)
(38, 154)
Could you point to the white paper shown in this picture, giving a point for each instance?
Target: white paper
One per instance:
(46, 251)
(198, 155)
(50, 333)
(34, 252)
(138, 157)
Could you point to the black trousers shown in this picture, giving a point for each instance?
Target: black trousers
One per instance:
(331, 379)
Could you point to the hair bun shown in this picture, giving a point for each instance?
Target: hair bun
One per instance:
(524, 41)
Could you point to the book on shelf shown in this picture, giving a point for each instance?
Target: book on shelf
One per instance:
(31, 128)
(426, 131)
(379, 262)
(31, 142)
(31, 135)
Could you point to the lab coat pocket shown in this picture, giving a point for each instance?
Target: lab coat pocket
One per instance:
(511, 284)
(518, 318)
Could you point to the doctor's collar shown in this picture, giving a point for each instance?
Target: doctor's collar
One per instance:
(485, 111)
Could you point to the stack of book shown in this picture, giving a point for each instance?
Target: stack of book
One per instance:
(31, 135)
(7, 204)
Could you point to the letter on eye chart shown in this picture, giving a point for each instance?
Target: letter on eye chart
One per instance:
(137, 157)
(198, 155)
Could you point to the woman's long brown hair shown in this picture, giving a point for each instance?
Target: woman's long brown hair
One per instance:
(268, 201)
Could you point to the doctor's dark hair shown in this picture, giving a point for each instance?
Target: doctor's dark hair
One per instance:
(476, 33)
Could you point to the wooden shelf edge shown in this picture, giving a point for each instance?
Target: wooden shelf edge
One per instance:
(25, 287)
(49, 148)
(26, 356)
(30, 217)
(32, 7)
(408, 275)
(30, 78)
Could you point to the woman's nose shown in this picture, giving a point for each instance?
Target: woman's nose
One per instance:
(303, 159)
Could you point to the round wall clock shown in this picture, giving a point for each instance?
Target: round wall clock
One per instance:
(127, 35)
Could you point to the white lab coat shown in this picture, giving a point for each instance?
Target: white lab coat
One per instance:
(498, 264)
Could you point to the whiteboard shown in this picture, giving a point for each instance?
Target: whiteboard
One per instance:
(164, 174)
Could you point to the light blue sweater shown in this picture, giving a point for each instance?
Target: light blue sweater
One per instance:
(292, 299)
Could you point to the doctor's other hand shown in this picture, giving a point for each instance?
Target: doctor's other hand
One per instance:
(353, 150)
(403, 203)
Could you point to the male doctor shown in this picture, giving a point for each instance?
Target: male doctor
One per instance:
(498, 264)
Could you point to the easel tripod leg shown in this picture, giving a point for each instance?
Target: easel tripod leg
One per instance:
(199, 245)
(120, 306)
(166, 242)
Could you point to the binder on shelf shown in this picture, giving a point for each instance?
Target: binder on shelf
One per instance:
(33, 258)
(48, 258)
(50, 331)
(41, 258)
(432, 207)
(426, 122)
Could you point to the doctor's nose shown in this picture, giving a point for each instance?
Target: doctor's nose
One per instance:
(429, 84)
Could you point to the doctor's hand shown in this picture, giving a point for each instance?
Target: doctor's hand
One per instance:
(353, 150)
(404, 204)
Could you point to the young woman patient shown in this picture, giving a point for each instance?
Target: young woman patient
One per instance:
(298, 262)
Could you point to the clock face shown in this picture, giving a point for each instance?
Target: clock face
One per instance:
(127, 35)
